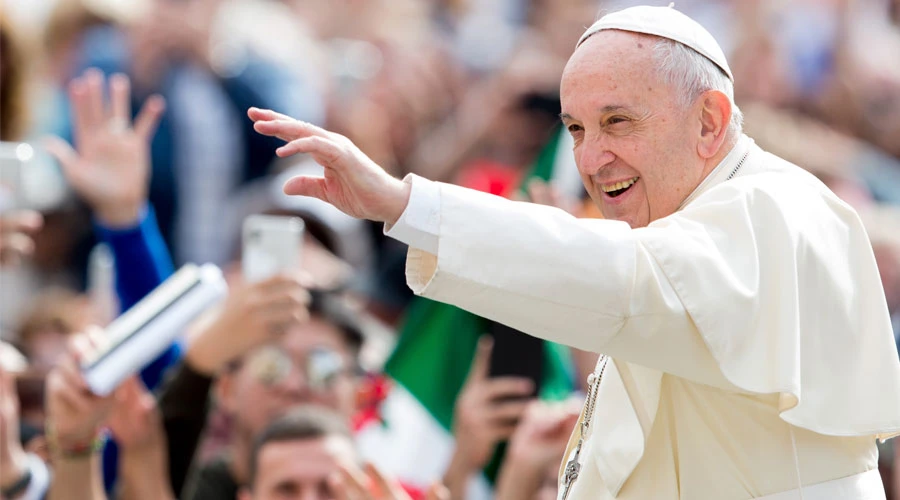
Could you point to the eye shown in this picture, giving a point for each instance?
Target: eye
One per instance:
(574, 128)
(616, 119)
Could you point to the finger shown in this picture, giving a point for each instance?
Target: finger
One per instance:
(289, 129)
(339, 489)
(438, 492)
(503, 431)
(94, 105)
(385, 486)
(306, 185)
(21, 221)
(78, 103)
(120, 98)
(16, 245)
(325, 151)
(482, 361)
(536, 191)
(257, 114)
(508, 387)
(148, 118)
(506, 412)
(353, 482)
(65, 155)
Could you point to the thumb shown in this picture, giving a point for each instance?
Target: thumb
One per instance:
(65, 154)
(306, 185)
(438, 492)
(482, 362)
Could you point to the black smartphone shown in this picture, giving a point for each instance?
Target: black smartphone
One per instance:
(516, 354)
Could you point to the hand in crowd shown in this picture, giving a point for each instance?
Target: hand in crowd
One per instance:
(354, 484)
(536, 449)
(74, 413)
(259, 311)
(487, 412)
(352, 182)
(110, 165)
(136, 424)
(16, 229)
(12, 455)
(74, 419)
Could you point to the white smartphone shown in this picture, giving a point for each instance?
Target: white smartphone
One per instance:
(146, 330)
(271, 244)
(13, 156)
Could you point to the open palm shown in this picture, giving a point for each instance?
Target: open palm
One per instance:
(110, 166)
(352, 182)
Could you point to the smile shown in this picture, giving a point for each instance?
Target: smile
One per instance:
(617, 188)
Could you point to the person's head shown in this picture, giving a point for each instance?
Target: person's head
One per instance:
(314, 363)
(649, 113)
(294, 457)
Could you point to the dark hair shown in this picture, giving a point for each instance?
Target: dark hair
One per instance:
(303, 423)
(333, 308)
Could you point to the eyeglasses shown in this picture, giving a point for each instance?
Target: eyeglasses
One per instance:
(320, 368)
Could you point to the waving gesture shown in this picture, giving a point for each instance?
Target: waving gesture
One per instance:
(352, 182)
(110, 166)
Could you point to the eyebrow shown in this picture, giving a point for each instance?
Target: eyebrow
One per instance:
(610, 108)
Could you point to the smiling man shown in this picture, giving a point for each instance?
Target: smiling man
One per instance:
(734, 298)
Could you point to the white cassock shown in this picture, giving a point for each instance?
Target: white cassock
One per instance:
(750, 344)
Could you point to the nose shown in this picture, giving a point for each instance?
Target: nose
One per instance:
(593, 154)
(294, 384)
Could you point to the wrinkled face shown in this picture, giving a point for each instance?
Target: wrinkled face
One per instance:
(635, 145)
(311, 365)
(299, 470)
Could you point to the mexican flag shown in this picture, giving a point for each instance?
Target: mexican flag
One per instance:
(430, 363)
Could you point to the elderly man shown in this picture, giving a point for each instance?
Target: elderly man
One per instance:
(747, 346)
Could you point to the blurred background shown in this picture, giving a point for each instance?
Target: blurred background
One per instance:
(461, 91)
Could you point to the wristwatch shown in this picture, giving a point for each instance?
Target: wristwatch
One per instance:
(18, 487)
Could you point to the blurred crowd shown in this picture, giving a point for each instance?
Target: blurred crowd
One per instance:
(130, 117)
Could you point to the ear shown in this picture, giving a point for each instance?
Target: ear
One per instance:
(715, 115)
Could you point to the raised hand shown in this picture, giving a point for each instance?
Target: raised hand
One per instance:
(74, 413)
(16, 229)
(352, 182)
(134, 419)
(110, 165)
(487, 410)
(354, 484)
(536, 450)
(540, 440)
(252, 315)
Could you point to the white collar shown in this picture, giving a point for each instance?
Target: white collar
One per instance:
(725, 170)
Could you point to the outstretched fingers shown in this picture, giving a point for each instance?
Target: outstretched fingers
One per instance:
(288, 129)
(257, 114)
(325, 151)
(148, 118)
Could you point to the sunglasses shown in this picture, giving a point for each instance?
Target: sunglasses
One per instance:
(321, 367)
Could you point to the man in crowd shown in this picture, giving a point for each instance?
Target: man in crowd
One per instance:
(268, 369)
(725, 285)
(297, 455)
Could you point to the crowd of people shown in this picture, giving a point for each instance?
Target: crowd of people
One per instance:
(332, 380)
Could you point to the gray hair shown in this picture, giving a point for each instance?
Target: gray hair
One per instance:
(692, 74)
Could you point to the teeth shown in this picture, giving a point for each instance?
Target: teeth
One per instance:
(619, 185)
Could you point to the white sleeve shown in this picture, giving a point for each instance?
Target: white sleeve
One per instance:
(586, 283)
(420, 224)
